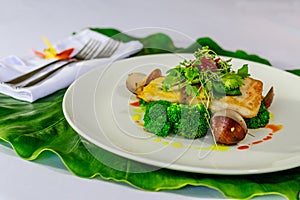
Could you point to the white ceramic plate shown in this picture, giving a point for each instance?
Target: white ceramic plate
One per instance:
(97, 107)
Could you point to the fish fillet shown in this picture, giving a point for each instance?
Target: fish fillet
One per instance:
(153, 92)
(246, 104)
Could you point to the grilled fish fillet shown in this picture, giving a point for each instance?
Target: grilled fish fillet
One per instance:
(246, 104)
(153, 92)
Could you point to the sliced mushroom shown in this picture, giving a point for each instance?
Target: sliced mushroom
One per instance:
(137, 80)
(228, 127)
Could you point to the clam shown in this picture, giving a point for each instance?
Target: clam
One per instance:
(228, 127)
(134, 80)
(268, 99)
(137, 80)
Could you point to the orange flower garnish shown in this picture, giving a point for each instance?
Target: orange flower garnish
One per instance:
(52, 53)
(64, 55)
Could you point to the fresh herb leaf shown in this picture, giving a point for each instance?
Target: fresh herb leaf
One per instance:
(243, 71)
(191, 73)
(191, 90)
(232, 81)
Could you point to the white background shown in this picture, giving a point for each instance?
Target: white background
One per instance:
(268, 28)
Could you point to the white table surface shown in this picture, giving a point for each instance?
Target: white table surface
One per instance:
(268, 28)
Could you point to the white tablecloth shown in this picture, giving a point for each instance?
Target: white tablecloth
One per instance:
(268, 28)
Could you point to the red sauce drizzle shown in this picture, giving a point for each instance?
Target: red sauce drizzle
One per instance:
(274, 128)
(243, 147)
(269, 137)
(135, 104)
(257, 142)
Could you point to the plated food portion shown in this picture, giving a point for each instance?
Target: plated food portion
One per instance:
(104, 112)
(200, 96)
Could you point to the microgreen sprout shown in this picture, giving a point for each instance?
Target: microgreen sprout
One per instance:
(207, 75)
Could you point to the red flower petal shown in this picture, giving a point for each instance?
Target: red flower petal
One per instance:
(39, 54)
(65, 55)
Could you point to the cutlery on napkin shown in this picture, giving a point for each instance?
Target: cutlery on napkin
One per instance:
(14, 66)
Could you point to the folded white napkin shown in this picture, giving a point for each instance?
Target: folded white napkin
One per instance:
(13, 66)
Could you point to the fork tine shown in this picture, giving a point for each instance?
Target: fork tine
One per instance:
(102, 52)
(113, 48)
(108, 49)
(86, 50)
(94, 50)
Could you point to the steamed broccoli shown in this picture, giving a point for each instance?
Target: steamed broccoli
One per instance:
(174, 113)
(260, 120)
(162, 117)
(189, 121)
(156, 119)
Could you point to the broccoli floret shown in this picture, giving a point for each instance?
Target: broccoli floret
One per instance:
(156, 119)
(162, 117)
(189, 121)
(260, 120)
(174, 113)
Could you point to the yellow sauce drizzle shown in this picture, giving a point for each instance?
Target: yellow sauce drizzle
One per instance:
(176, 144)
(165, 143)
(271, 116)
(138, 110)
(215, 148)
(136, 117)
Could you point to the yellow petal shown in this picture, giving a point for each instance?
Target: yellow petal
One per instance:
(49, 54)
(51, 48)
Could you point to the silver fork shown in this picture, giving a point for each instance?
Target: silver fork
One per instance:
(88, 47)
(89, 51)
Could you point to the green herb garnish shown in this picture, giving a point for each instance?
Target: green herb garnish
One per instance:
(207, 74)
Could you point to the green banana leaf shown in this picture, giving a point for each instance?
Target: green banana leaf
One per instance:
(34, 128)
